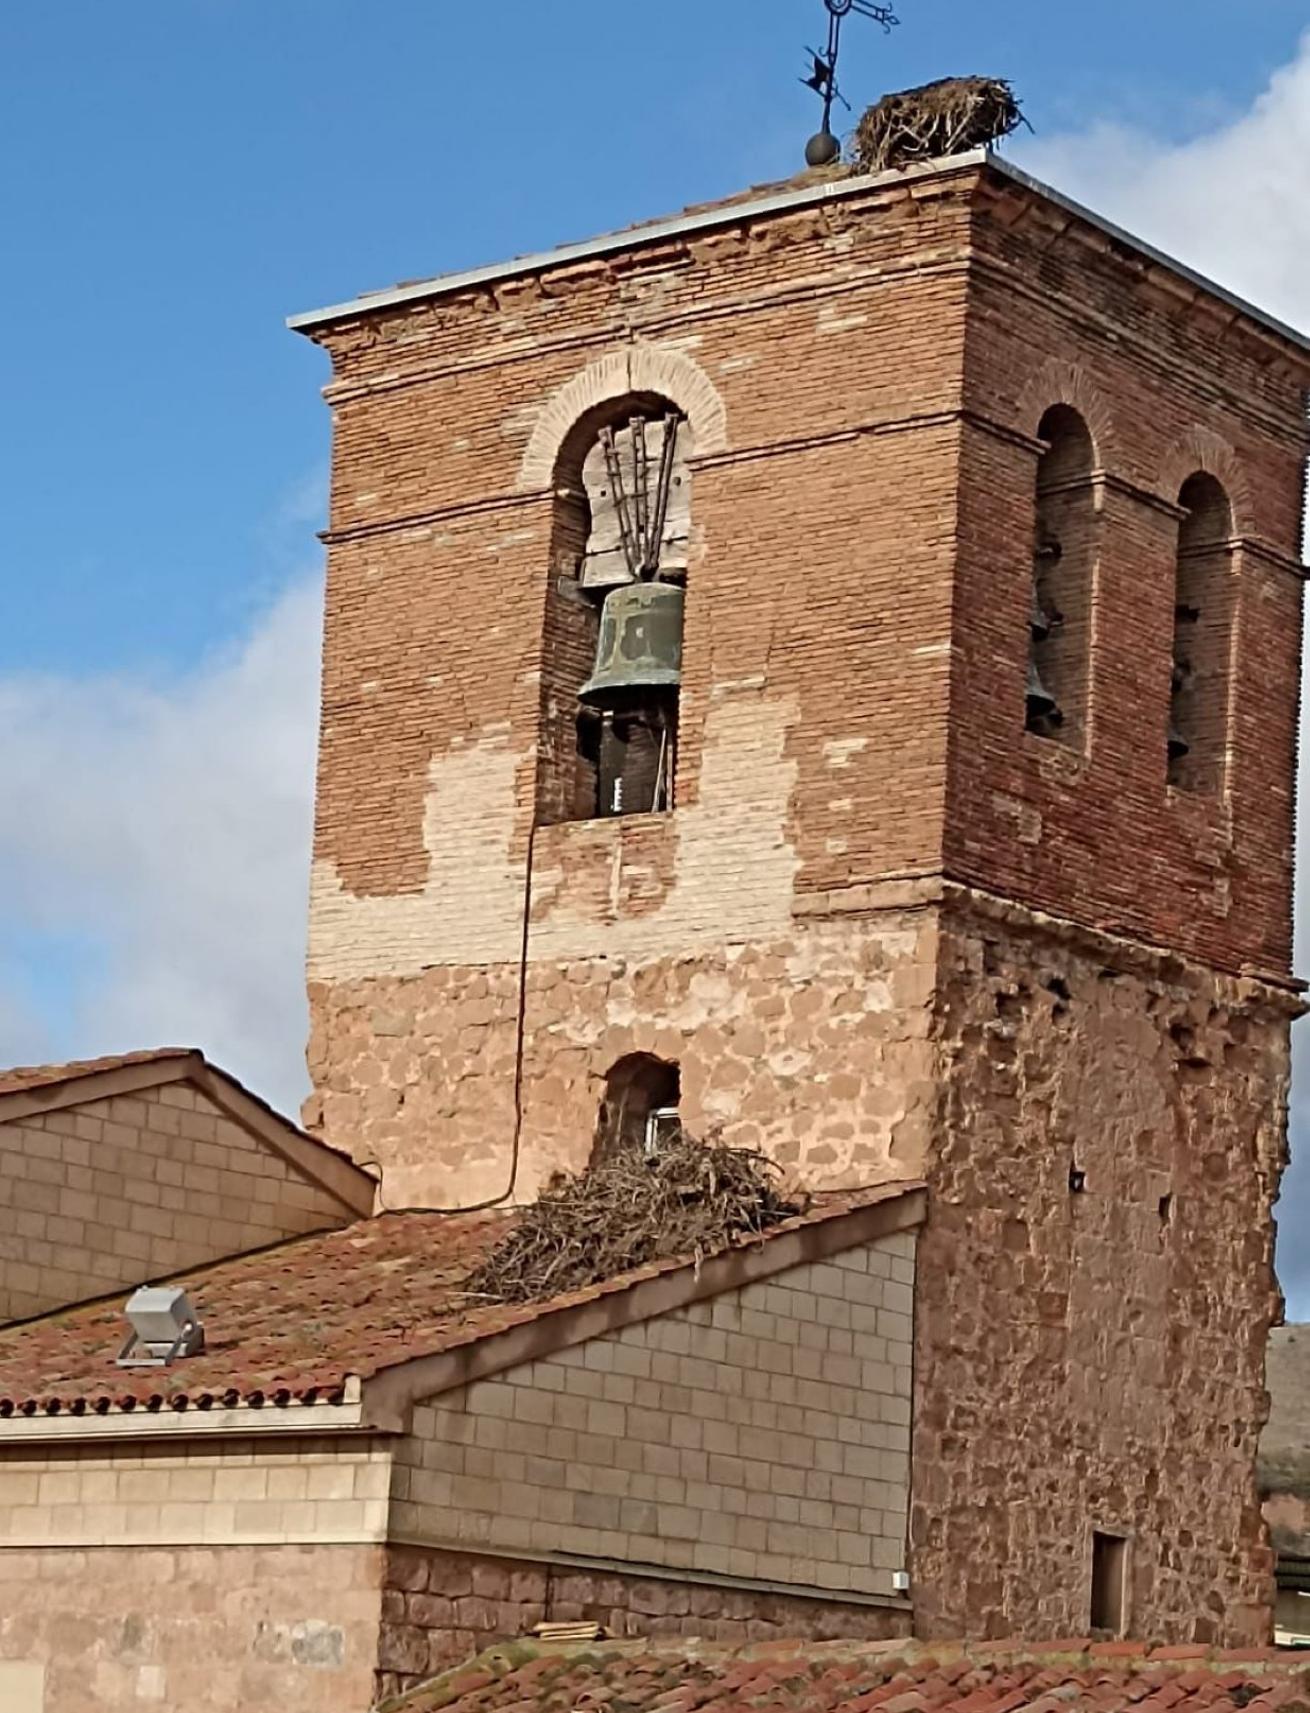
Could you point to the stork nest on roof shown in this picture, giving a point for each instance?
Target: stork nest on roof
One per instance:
(944, 118)
(690, 1199)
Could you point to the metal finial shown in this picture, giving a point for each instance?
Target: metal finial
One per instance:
(823, 148)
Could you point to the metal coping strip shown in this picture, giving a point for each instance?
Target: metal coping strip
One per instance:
(730, 213)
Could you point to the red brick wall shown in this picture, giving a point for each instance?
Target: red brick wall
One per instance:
(1165, 393)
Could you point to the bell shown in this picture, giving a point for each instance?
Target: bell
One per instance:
(1041, 704)
(1178, 744)
(1038, 623)
(640, 646)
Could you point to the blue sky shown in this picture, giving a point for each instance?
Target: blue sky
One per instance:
(182, 174)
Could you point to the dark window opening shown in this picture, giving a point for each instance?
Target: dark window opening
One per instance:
(612, 662)
(639, 1111)
(1203, 601)
(1109, 1585)
(1064, 564)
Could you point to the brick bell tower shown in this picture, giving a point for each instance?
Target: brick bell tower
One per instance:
(825, 667)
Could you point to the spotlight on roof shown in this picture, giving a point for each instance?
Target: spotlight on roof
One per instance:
(164, 1327)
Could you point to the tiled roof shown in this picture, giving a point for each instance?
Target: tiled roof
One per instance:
(857, 1677)
(1285, 1443)
(295, 1322)
(24, 1077)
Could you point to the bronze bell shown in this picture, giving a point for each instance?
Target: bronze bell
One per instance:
(640, 646)
(1042, 706)
(1178, 744)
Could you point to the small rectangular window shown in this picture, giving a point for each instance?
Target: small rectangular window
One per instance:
(1109, 1584)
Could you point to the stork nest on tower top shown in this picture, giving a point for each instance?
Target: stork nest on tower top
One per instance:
(689, 1199)
(945, 118)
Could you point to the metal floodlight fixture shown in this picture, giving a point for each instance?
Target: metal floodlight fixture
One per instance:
(164, 1328)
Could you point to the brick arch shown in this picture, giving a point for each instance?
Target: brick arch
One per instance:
(1064, 383)
(1201, 451)
(639, 369)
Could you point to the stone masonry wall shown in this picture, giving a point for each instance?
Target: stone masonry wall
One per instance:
(215, 1629)
(814, 1046)
(763, 1435)
(1095, 1285)
(101, 1195)
(441, 1608)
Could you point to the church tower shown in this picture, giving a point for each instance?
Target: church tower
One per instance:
(823, 670)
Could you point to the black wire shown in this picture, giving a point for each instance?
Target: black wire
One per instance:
(519, 1050)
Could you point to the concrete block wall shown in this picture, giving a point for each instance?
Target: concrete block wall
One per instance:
(192, 1492)
(98, 1196)
(761, 1435)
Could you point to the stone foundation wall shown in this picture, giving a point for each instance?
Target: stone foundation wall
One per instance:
(1095, 1285)
(813, 1046)
(440, 1608)
(221, 1629)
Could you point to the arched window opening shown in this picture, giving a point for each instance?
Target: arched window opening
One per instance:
(1198, 707)
(612, 661)
(1064, 566)
(639, 1111)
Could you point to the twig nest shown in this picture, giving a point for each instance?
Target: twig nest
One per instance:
(944, 118)
(689, 1199)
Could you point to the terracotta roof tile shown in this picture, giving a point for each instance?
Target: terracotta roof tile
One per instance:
(24, 1077)
(893, 1677)
(295, 1322)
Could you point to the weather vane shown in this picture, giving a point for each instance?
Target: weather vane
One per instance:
(823, 148)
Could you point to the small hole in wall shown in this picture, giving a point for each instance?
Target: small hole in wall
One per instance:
(1059, 987)
(1077, 1181)
(1166, 1209)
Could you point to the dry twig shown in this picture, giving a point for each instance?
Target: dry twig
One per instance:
(944, 118)
(690, 1199)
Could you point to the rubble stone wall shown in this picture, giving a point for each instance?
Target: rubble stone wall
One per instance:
(814, 1046)
(1095, 1285)
(441, 1608)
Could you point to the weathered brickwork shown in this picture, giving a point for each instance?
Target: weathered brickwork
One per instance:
(222, 1629)
(1096, 1285)
(885, 931)
(105, 1193)
(763, 1434)
(1165, 395)
(441, 1608)
(863, 383)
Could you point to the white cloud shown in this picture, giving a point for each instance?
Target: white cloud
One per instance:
(1233, 204)
(166, 827)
